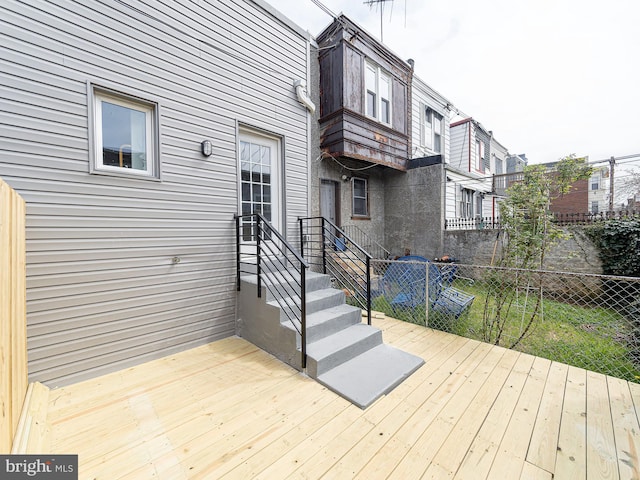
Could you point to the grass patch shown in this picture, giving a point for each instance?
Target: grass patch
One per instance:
(590, 337)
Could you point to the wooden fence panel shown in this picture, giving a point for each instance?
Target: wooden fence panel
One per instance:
(13, 324)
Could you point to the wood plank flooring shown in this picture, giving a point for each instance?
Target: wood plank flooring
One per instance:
(472, 411)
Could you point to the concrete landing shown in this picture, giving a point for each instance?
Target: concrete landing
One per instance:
(365, 378)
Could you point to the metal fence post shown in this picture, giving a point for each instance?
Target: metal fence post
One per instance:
(426, 295)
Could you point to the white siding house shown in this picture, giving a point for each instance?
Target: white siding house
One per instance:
(430, 121)
(475, 156)
(130, 226)
(598, 196)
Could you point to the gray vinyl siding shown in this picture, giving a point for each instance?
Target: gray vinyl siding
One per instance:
(102, 290)
(459, 147)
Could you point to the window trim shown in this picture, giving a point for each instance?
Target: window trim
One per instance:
(96, 95)
(367, 214)
(379, 73)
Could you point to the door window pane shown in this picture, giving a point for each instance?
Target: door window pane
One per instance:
(255, 164)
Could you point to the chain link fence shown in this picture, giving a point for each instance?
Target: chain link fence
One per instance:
(588, 321)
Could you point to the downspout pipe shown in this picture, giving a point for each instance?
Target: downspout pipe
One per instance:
(303, 96)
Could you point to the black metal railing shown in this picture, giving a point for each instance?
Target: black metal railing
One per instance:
(362, 238)
(587, 218)
(264, 252)
(502, 182)
(329, 250)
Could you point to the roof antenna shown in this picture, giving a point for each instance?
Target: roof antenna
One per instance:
(371, 3)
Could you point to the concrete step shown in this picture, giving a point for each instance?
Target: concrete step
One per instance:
(286, 283)
(365, 378)
(329, 321)
(342, 346)
(317, 300)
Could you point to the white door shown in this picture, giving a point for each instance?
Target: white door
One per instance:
(258, 157)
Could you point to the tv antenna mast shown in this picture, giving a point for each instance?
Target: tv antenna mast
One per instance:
(380, 3)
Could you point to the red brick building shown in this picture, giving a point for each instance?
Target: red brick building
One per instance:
(576, 201)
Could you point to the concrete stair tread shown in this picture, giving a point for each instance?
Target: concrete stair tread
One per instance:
(317, 300)
(342, 339)
(329, 321)
(340, 347)
(365, 378)
(320, 317)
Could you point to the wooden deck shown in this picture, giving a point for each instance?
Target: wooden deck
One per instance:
(229, 410)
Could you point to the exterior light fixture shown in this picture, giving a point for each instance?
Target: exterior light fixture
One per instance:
(206, 148)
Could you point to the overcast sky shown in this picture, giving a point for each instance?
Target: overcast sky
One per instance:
(549, 77)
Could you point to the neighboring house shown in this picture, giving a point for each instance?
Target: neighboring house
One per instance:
(134, 132)
(576, 201)
(633, 203)
(415, 201)
(598, 198)
(364, 126)
(583, 195)
(430, 122)
(516, 163)
(476, 156)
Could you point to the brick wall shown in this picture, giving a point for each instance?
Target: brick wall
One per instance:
(576, 201)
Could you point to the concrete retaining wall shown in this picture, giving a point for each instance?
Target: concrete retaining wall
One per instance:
(476, 247)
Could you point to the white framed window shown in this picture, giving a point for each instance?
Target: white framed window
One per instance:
(595, 207)
(595, 182)
(479, 156)
(466, 203)
(432, 130)
(478, 197)
(125, 137)
(360, 197)
(498, 165)
(377, 93)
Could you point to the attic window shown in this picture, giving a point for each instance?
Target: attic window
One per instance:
(125, 134)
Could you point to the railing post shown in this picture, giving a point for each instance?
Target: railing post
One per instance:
(237, 218)
(258, 266)
(368, 290)
(324, 247)
(300, 220)
(303, 315)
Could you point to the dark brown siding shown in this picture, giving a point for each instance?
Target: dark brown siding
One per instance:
(345, 130)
